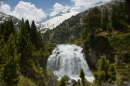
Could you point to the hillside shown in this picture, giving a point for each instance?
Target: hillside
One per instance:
(91, 48)
(5, 17)
(23, 55)
(52, 22)
(104, 33)
(71, 29)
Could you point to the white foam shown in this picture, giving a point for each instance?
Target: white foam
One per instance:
(69, 60)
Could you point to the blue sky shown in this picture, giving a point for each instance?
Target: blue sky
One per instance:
(45, 5)
(40, 9)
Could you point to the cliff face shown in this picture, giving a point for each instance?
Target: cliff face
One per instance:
(91, 59)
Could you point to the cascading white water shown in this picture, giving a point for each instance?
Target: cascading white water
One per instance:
(68, 60)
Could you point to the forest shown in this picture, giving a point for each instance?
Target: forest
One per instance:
(23, 55)
(104, 34)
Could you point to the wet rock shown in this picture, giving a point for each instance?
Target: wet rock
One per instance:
(72, 82)
(67, 78)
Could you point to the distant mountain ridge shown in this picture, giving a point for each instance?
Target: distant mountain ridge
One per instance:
(54, 21)
(5, 17)
(68, 29)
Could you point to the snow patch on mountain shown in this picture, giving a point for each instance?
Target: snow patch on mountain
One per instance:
(5, 17)
(54, 21)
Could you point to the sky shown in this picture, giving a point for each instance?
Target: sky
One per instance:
(46, 5)
(39, 9)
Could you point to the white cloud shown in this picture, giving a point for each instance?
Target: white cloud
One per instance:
(57, 8)
(5, 8)
(86, 3)
(79, 6)
(81, 2)
(28, 11)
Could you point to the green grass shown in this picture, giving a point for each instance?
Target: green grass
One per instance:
(24, 81)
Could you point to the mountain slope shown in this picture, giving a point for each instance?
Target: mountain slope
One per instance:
(5, 17)
(71, 29)
(53, 22)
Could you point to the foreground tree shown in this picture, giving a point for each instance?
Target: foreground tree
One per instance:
(36, 37)
(113, 73)
(82, 76)
(10, 70)
(106, 73)
(62, 82)
(83, 81)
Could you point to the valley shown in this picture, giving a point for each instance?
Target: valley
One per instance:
(89, 47)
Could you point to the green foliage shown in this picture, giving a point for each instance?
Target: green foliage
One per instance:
(106, 72)
(120, 17)
(100, 44)
(6, 29)
(106, 29)
(122, 40)
(105, 19)
(103, 64)
(113, 32)
(24, 81)
(113, 73)
(67, 32)
(83, 81)
(22, 52)
(99, 76)
(93, 19)
(35, 36)
(10, 70)
(62, 82)
(123, 73)
(82, 76)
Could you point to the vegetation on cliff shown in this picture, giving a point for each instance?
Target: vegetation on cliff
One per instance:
(102, 31)
(23, 55)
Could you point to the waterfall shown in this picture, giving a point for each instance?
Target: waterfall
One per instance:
(68, 60)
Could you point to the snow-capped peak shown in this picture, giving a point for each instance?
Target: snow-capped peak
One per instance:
(54, 21)
(5, 17)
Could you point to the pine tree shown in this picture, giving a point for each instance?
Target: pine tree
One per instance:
(93, 20)
(6, 29)
(25, 47)
(83, 81)
(105, 19)
(113, 73)
(35, 36)
(82, 76)
(10, 71)
(105, 73)
(27, 30)
(102, 75)
(33, 33)
(113, 16)
(62, 82)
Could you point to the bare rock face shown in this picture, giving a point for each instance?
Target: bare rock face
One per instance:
(91, 59)
(53, 80)
(72, 82)
(128, 84)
